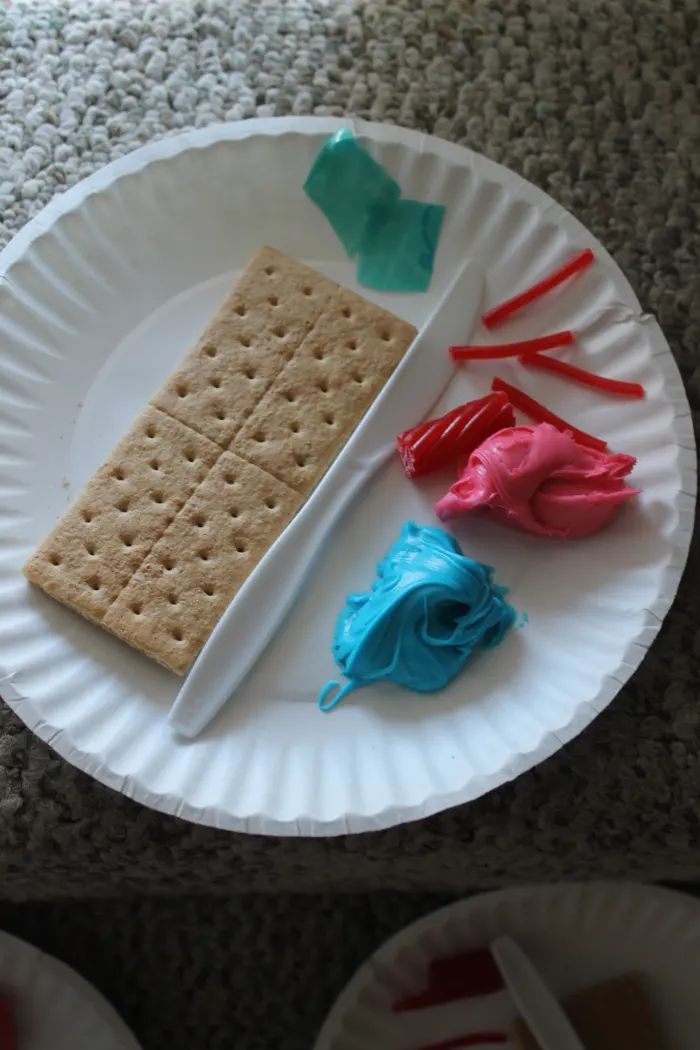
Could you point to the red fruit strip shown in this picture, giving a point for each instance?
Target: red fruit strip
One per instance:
(497, 314)
(580, 375)
(473, 1039)
(538, 412)
(525, 346)
(436, 442)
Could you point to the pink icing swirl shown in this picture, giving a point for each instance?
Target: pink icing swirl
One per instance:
(540, 480)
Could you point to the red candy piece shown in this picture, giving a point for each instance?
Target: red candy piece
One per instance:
(470, 973)
(519, 399)
(582, 376)
(497, 314)
(526, 347)
(437, 442)
(473, 1039)
(8, 1032)
(458, 977)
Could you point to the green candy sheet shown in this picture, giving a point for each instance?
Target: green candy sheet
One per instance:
(393, 237)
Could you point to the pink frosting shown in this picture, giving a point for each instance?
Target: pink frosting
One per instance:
(541, 480)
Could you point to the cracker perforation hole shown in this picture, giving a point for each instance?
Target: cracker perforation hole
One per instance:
(319, 354)
(351, 344)
(55, 560)
(208, 590)
(204, 555)
(154, 464)
(151, 431)
(136, 608)
(329, 419)
(173, 599)
(178, 635)
(127, 539)
(385, 335)
(118, 474)
(259, 437)
(220, 414)
(241, 311)
(273, 300)
(306, 290)
(270, 503)
(158, 497)
(289, 396)
(269, 270)
(241, 547)
(346, 311)
(323, 386)
(244, 340)
(280, 331)
(357, 378)
(199, 520)
(168, 564)
(91, 549)
(181, 390)
(295, 427)
(250, 372)
(216, 382)
(234, 512)
(93, 583)
(190, 456)
(299, 459)
(87, 516)
(123, 506)
(230, 479)
(210, 350)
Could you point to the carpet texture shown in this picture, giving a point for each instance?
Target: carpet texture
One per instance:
(260, 973)
(597, 102)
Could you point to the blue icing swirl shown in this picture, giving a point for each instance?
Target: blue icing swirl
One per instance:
(429, 609)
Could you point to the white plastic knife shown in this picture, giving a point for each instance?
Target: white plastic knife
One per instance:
(262, 603)
(543, 1013)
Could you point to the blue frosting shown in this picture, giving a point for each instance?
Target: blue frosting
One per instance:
(429, 609)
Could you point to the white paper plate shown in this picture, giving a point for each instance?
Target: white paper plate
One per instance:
(101, 295)
(576, 934)
(55, 1008)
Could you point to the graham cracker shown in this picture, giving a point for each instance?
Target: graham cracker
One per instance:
(167, 531)
(170, 606)
(615, 1015)
(124, 508)
(319, 397)
(258, 327)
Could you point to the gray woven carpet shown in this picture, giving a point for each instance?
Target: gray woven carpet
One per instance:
(594, 100)
(254, 973)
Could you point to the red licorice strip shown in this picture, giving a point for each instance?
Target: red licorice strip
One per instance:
(473, 1039)
(582, 376)
(497, 314)
(524, 346)
(458, 977)
(538, 412)
(437, 442)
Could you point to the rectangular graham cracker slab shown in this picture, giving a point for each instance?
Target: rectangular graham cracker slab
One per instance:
(170, 527)
(128, 503)
(306, 416)
(615, 1015)
(257, 329)
(170, 606)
